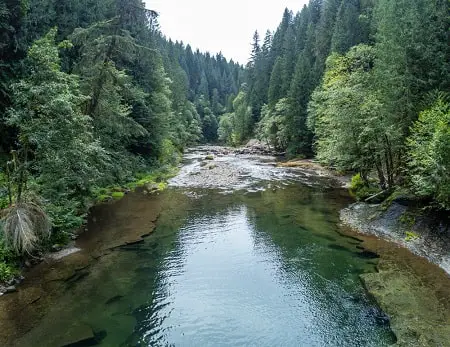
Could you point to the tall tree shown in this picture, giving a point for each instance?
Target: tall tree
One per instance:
(47, 111)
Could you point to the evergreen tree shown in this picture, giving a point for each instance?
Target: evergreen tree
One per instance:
(347, 32)
(276, 82)
(47, 111)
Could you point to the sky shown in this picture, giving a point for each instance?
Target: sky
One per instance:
(225, 26)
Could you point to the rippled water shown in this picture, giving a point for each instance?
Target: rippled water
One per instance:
(265, 268)
(261, 276)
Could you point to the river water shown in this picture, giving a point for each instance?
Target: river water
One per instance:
(257, 260)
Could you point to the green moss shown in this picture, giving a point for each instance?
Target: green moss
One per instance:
(117, 195)
(157, 178)
(162, 185)
(411, 236)
(397, 193)
(408, 219)
(209, 157)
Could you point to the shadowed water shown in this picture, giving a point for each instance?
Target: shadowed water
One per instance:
(265, 268)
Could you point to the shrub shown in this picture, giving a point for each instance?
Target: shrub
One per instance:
(361, 189)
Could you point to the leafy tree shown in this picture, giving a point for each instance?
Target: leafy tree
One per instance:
(225, 130)
(273, 127)
(344, 114)
(48, 113)
(429, 153)
(242, 118)
(53, 130)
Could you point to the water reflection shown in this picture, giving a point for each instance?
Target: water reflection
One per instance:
(240, 278)
(244, 269)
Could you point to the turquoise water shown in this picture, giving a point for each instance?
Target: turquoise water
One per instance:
(267, 268)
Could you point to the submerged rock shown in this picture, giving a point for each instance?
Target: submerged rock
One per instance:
(417, 316)
(412, 290)
(80, 335)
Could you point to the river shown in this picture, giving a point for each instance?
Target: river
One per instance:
(241, 253)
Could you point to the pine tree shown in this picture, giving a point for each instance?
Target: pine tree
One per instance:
(276, 82)
(347, 32)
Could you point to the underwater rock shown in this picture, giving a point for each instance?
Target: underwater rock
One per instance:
(80, 335)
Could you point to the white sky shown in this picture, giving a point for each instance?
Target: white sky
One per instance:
(220, 25)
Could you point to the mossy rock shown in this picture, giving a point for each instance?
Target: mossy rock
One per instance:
(117, 195)
(209, 157)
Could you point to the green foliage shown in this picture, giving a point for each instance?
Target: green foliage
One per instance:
(8, 260)
(242, 118)
(362, 189)
(47, 112)
(7, 272)
(4, 200)
(272, 128)
(429, 153)
(170, 156)
(225, 131)
(344, 114)
(66, 215)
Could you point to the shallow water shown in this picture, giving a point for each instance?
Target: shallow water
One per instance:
(258, 268)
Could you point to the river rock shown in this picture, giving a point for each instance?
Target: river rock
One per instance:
(79, 334)
(10, 289)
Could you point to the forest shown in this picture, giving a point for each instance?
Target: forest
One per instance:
(93, 97)
(362, 86)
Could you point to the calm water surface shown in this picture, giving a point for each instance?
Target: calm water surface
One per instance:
(265, 268)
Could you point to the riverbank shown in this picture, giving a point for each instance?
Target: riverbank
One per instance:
(412, 282)
(147, 183)
(110, 230)
(422, 233)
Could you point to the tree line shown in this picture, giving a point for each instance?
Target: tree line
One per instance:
(93, 95)
(360, 84)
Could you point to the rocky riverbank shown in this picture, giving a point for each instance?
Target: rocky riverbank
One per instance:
(412, 282)
(421, 233)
